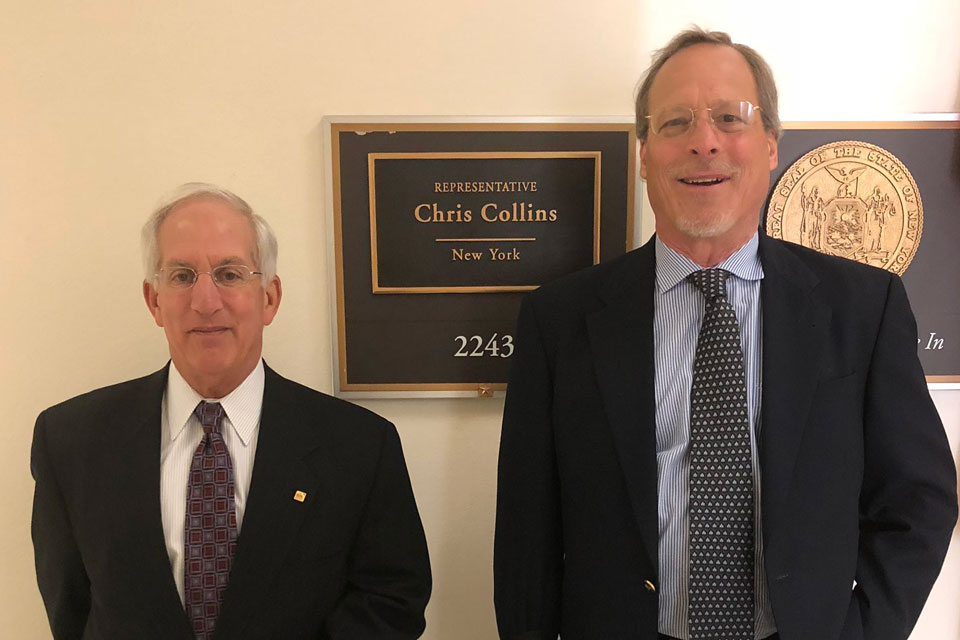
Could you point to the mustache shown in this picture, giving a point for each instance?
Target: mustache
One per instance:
(719, 166)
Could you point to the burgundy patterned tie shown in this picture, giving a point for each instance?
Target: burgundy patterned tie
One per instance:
(210, 524)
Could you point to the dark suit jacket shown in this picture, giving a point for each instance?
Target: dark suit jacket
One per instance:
(349, 562)
(857, 479)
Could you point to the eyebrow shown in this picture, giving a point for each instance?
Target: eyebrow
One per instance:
(233, 260)
(222, 262)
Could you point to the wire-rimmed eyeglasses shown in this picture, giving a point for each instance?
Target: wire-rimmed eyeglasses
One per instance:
(225, 275)
(728, 116)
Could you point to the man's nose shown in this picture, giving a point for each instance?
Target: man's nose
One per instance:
(205, 295)
(703, 138)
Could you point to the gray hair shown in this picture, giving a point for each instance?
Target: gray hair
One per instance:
(762, 76)
(264, 250)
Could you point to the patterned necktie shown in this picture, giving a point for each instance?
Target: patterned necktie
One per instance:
(210, 525)
(721, 475)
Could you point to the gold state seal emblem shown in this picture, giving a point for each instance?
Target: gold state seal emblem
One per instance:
(850, 199)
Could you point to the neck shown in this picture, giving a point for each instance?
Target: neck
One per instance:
(215, 386)
(706, 252)
(213, 389)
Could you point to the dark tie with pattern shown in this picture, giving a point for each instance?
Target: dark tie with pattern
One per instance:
(721, 476)
(210, 525)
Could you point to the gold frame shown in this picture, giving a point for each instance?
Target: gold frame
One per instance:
(889, 124)
(337, 126)
(468, 155)
(867, 124)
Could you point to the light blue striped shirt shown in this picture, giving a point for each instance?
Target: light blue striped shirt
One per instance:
(678, 310)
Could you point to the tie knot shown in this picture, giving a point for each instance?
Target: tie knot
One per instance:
(210, 415)
(711, 282)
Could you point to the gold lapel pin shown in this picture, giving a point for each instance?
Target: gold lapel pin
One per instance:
(300, 496)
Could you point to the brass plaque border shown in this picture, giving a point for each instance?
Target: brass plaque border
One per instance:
(872, 124)
(474, 155)
(938, 121)
(333, 126)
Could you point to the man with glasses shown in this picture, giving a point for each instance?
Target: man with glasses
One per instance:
(215, 498)
(719, 435)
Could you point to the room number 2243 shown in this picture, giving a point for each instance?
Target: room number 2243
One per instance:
(497, 346)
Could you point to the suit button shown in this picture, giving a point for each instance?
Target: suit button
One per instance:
(649, 586)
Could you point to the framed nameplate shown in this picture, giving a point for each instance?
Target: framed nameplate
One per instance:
(886, 194)
(471, 230)
(441, 226)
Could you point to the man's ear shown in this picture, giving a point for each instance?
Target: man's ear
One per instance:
(153, 304)
(643, 160)
(271, 300)
(772, 150)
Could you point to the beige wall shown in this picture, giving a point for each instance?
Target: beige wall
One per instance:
(104, 106)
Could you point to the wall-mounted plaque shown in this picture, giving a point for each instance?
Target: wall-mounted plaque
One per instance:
(885, 194)
(439, 229)
(470, 230)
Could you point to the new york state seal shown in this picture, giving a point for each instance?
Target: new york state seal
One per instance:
(850, 199)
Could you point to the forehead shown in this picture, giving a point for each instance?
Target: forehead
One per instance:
(701, 73)
(205, 227)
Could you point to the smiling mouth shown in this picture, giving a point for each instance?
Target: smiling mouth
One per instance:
(208, 330)
(702, 182)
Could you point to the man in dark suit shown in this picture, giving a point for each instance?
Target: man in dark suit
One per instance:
(813, 499)
(214, 498)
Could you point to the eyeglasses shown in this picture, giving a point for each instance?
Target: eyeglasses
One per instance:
(728, 116)
(226, 275)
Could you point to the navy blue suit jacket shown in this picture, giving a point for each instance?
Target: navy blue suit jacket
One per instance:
(858, 483)
(348, 562)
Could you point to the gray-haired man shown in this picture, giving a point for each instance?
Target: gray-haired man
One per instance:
(215, 498)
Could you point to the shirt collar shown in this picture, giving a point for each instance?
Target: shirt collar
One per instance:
(242, 405)
(673, 268)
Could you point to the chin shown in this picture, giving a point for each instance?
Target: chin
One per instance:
(212, 365)
(706, 227)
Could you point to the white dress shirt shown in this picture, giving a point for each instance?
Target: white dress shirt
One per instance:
(678, 313)
(180, 434)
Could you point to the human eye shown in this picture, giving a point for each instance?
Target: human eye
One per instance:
(674, 121)
(180, 277)
(679, 121)
(231, 274)
(730, 116)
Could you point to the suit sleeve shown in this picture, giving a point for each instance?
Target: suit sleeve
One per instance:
(388, 580)
(908, 501)
(61, 576)
(528, 549)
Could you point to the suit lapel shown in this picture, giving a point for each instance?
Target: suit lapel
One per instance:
(795, 325)
(621, 341)
(138, 498)
(272, 516)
